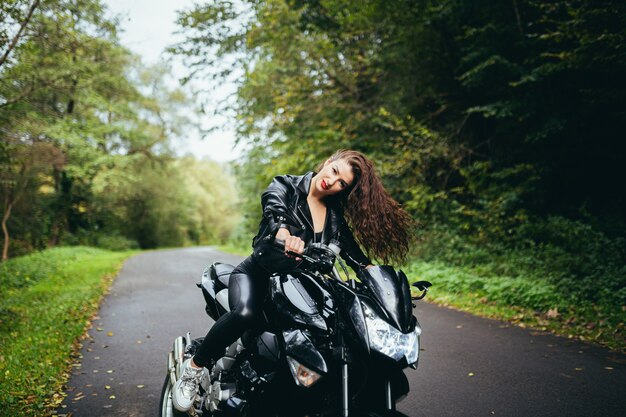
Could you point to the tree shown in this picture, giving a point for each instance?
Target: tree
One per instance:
(13, 12)
(22, 166)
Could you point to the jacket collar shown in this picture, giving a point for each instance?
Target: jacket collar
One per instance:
(304, 182)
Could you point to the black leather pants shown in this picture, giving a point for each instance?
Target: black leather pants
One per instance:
(246, 290)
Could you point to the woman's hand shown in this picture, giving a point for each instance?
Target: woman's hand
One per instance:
(292, 243)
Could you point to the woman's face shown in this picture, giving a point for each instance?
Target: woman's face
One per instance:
(335, 177)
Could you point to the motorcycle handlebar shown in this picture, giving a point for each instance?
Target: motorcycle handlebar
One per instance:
(280, 244)
(332, 246)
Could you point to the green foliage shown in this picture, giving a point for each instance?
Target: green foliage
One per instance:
(581, 264)
(522, 291)
(103, 240)
(169, 203)
(85, 143)
(46, 302)
(525, 300)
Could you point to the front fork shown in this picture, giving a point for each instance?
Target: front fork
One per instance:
(345, 394)
(389, 404)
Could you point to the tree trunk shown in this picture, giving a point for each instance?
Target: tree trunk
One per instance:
(517, 16)
(8, 205)
(4, 57)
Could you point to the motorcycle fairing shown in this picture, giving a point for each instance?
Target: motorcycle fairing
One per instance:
(208, 291)
(292, 302)
(352, 305)
(300, 347)
(391, 290)
(267, 346)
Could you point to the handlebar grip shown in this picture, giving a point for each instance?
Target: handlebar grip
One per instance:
(280, 244)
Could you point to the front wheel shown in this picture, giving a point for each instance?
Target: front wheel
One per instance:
(166, 408)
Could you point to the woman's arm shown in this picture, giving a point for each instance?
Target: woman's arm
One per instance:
(274, 202)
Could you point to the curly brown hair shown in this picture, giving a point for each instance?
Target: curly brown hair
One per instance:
(378, 222)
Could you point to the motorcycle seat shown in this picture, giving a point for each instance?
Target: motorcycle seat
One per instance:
(222, 272)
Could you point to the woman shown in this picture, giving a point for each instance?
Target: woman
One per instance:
(301, 210)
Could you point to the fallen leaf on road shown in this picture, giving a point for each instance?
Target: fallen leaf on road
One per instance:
(140, 386)
(608, 368)
(110, 371)
(459, 326)
(107, 387)
(470, 374)
(99, 329)
(110, 334)
(578, 369)
(112, 397)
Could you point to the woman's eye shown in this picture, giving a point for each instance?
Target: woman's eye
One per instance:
(334, 171)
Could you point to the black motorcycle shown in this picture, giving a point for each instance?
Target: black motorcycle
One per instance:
(325, 346)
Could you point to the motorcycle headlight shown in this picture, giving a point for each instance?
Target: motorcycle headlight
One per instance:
(388, 340)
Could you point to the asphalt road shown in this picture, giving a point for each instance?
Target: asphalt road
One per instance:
(469, 366)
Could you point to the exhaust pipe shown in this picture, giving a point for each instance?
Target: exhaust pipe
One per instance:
(179, 351)
(171, 367)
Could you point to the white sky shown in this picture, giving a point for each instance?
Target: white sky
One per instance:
(147, 30)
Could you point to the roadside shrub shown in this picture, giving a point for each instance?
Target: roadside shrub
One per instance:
(578, 261)
(116, 243)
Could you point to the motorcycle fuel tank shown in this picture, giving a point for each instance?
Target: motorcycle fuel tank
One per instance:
(391, 290)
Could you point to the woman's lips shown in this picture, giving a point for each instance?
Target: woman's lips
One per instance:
(324, 185)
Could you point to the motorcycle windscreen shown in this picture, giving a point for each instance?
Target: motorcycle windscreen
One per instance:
(391, 290)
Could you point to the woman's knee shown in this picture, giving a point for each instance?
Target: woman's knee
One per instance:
(247, 311)
(245, 296)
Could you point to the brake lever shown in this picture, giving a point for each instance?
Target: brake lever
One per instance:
(301, 256)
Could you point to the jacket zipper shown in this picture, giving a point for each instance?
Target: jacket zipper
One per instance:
(305, 218)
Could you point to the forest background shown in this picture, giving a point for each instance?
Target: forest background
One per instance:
(497, 125)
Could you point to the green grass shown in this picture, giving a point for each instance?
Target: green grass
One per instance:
(47, 300)
(526, 301)
(235, 249)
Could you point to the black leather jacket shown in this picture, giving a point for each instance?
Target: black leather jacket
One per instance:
(284, 203)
